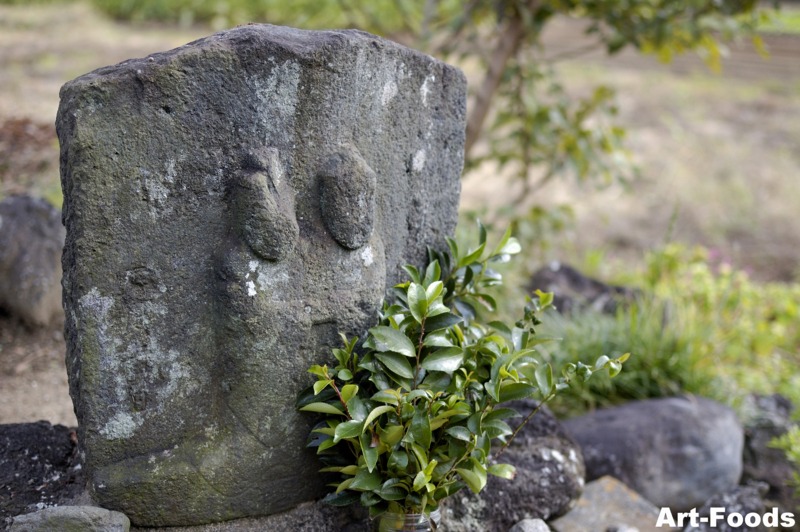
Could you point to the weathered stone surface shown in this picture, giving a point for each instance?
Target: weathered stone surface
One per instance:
(307, 517)
(766, 418)
(608, 504)
(676, 452)
(549, 481)
(530, 525)
(742, 500)
(31, 240)
(572, 290)
(39, 467)
(203, 271)
(72, 519)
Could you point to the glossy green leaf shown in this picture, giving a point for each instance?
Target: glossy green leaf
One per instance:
(437, 339)
(506, 471)
(544, 378)
(462, 433)
(413, 273)
(447, 360)
(348, 429)
(417, 302)
(442, 321)
(396, 363)
(375, 413)
(344, 498)
(501, 413)
(393, 490)
(495, 428)
(357, 408)
(392, 435)
(370, 453)
(323, 408)
(421, 429)
(393, 340)
(432, 274)
(348, 392)
(515, 391)
(472, 480)
(600, 362)
(344, 485)
(366, 480)
(398, 459)
(320, 385)
(420, 480)
(503, 241)
(511, 247)
(386, 396)
(345, 374)
(433, 291)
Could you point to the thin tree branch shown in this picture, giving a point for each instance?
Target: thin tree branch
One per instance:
(510, 40)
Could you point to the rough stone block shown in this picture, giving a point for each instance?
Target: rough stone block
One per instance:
(549, 480)
(231, 206)
(71, 519)
(607, 504)
(31, 240)
(676, 452)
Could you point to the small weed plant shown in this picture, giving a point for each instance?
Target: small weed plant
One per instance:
(411, 414)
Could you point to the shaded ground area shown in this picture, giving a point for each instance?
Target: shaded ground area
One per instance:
(39, 467)
(33, 379)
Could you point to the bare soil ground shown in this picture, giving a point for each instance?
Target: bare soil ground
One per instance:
(721, 151)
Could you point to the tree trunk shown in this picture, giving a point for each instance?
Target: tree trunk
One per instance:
(512, 36)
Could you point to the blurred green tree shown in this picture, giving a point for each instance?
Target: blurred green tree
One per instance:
(519, 114)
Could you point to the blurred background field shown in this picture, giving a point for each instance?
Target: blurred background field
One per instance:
(706, 224)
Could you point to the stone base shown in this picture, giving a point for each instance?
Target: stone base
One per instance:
(308, 517)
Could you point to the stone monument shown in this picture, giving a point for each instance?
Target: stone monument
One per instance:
(230, 206)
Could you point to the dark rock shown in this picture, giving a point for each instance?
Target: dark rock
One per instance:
(549, 481)
(767, 418)
(742, 500)
(607, 504)
(307, 517)
(31, 240)
(39, 467)
(72, 519)
(231, 206)
(573, 291)
(675, 452)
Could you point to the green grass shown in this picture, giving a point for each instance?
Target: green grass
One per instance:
(785, 21)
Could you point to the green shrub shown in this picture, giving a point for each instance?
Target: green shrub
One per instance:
(662, 364)
(411, 415)
(703, 327)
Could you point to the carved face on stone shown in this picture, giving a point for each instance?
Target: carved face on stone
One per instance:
(231, 206)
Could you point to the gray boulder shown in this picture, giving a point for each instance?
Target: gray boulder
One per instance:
(742, 500)
(608, 505)
(31, 240)
(675, 452)
(231, 206)
(72, 519)
(767, 418)
(572, 290)
(549, 481)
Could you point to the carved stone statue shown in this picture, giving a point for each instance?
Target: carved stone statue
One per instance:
(231, 206)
